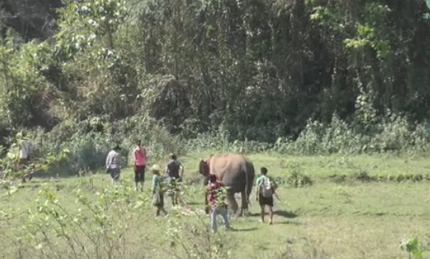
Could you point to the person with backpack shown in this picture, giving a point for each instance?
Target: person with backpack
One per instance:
(265, 190)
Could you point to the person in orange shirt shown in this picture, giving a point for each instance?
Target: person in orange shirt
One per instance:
(139, 163)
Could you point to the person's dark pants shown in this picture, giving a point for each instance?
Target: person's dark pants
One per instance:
(263, 201)
(139, 173)
(23, 162)
(161, 204)
(114, 174)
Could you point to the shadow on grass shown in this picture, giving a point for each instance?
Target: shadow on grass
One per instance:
(295, 223)
(244, 229)
(194, 203)
(281, 213)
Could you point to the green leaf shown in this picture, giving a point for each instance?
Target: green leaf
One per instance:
(51, 197)
(11, 155)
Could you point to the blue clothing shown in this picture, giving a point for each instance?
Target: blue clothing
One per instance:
(172, 168)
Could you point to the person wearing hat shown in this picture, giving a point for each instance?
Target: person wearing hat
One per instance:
(157, 190)
(174, 172)
(113, 164)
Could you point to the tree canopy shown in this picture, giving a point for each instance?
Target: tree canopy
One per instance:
(256, 69)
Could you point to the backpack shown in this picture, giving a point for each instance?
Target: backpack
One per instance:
(266, 187)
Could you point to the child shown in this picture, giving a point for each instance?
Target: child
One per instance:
(158, 190)
(265, 190)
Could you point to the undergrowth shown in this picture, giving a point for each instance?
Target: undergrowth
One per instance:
(90, 141)
(107, 222)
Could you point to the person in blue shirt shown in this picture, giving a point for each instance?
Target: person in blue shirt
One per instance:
(158, 189)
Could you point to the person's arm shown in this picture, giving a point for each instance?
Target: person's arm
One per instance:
(182, 170)
(107, 160)
(118, 160)
(133, 154)
(274, 184)
(166, 170)
(145, 154)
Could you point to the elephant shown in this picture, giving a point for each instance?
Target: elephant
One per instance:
(236, 172)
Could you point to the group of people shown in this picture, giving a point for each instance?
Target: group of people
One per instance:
(216, 195)
(173, 174)
(169, 182)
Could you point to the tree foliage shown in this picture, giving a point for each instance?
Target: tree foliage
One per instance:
(256, 69)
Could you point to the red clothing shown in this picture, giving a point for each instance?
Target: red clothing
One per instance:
(139, 156)
(215, 194)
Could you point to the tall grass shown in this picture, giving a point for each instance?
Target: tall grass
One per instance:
(90, 141)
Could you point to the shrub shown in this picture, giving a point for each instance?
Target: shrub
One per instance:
(112, 222)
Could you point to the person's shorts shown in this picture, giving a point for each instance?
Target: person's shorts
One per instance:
(114, 173)
(265, 200)
(139, 173)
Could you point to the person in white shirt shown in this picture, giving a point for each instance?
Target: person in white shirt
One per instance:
(25, 153)
(113, 164)
(25, 150)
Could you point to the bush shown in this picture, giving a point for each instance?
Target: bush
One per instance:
(106, 223)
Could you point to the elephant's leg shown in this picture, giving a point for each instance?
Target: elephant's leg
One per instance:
(244, 204)
(232, 203)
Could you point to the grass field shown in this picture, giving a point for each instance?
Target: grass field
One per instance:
(329, 219)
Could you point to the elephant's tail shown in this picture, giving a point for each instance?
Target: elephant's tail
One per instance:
(248, 184)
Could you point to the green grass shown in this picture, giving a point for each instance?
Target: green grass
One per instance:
(325, 220)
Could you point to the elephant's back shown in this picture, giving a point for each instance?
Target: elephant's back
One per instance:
(228, 160)
(232, 168)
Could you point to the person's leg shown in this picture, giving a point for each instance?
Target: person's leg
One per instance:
(136, 177)
(213, 220)
(171, 187)
(112, 175)
(223, 212)
(270, 204)
(176, 190)
(115, 172)
(262, 204)
(118, 176)
(162, 203)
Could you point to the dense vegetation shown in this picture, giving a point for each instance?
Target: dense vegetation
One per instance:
(304, 76)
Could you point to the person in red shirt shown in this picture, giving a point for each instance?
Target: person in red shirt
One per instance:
(139, 163)
(216, 195)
